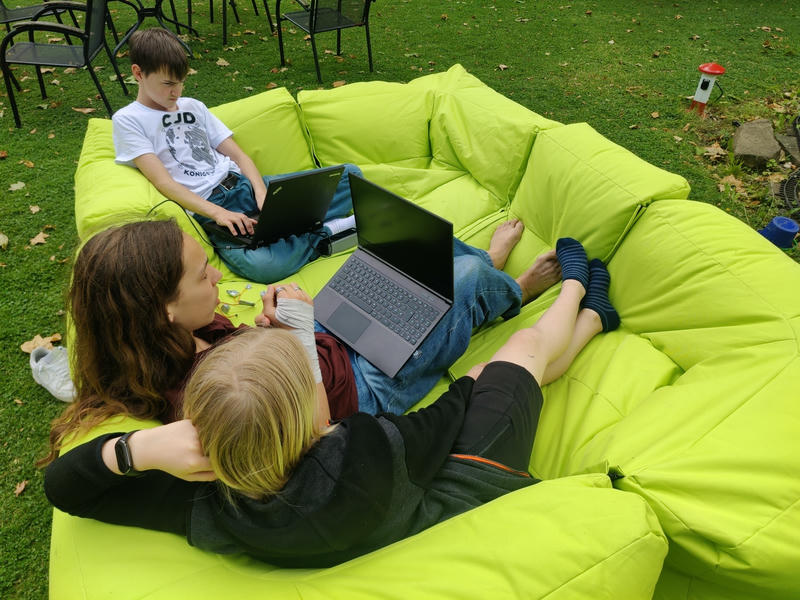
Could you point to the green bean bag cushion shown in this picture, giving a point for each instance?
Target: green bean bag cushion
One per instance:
(684, 421)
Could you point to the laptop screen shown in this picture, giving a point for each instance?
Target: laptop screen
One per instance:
(408, 237)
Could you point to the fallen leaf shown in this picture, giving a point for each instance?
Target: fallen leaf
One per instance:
(34, 209)
(55, 82)
(339, 83)
(222, 62)
(20, 487)
(655, 115)
(502, 67)
(41, 238)
(694, 37)
(39, 341)
(27, 163)
(588, 12)
(18, 402)
(3, 241)
(678, 16)
(734, 183)
(686, 127)
(50, 136)
(271, 85)
(634, 126)
(443, 17)
(16, 186)
(3, 154)
(248, 88)
(677, 138)
(715, 151)
(86, 111)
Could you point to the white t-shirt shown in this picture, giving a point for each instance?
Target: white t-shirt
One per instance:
(184, 140)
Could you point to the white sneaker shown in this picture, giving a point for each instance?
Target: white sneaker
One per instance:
(51, 371)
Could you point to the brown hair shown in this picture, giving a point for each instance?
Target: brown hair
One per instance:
(156, 49)
(126, 352)
(252, 400)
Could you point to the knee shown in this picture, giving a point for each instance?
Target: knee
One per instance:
(351, 168)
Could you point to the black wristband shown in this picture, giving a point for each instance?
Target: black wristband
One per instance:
(123, 451)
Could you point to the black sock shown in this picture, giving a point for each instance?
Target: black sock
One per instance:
(596, 297)
(572, 258)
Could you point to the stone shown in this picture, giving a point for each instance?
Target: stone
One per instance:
(754, 144)
(789, 144)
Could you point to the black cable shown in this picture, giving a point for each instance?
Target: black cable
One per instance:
(721, 94)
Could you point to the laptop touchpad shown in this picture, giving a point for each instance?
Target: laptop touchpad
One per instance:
(348, 322)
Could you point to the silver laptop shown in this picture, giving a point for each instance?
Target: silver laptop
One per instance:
(294, 204)
(394, 289)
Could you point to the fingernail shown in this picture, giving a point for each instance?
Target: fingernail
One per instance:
(263, 292)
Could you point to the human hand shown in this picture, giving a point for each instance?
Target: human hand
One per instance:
(237, 223)
(270, 298)
(174, 449)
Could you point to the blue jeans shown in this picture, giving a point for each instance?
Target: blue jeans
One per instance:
(267, 264)
(482, 293)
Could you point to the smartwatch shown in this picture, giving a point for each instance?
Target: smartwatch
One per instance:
(123, 451)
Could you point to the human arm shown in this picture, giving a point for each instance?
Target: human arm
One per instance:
(174, 448)
(80, 483)
(429, 433)
(289, 307)
(232, 150)
(155, 171)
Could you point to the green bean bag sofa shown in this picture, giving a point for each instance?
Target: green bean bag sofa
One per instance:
(670, 449)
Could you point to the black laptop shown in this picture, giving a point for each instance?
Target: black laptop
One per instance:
(294, 204)
(392, 291)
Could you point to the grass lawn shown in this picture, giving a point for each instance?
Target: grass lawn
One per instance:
(626, 68)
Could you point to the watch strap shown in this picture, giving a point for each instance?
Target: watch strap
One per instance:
(122, 450)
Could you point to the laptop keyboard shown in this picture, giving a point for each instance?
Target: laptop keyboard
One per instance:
(400, 311)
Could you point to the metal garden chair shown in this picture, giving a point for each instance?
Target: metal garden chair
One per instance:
(319, 16)
(76, 55)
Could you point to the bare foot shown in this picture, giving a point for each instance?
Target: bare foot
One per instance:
(542, 274)
(504, 238)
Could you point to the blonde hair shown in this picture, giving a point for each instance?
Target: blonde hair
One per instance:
(252, 400)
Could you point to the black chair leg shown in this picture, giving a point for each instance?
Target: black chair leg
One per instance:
(255, 7)
(269, 17)
(99, 89)
(116, 70)
(41, 81)
(189, 13)
(8, 77)
(338, 42)
(235, 12)
(369, 47)
(316, 58)
(14, 79)
(280, 40)
(211, 11)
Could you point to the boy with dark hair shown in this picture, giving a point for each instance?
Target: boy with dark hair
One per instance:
(190, 156)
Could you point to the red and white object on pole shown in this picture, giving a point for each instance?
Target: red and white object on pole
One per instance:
(708, 75)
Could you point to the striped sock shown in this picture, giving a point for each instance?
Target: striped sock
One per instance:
(572, 258)
(596, 297)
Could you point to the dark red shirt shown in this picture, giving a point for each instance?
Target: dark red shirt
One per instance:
(337, 372)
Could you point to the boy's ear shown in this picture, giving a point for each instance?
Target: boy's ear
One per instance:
(137, 72)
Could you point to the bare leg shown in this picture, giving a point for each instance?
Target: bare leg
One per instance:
(504, 239)
(536, 347)
(587, 326)
(541, 275)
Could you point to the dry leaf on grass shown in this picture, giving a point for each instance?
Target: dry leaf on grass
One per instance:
(339, 83)
(732, 182)
(3, 154)
(20, 487)
(222, 62)
(85, 111)
(3, 241)
(40, 238)
(39, 341)
(271, 85)
(715, 151)
(16, 186)
(34, 209)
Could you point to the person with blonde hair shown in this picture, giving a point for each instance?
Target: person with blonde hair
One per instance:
(293, 494)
